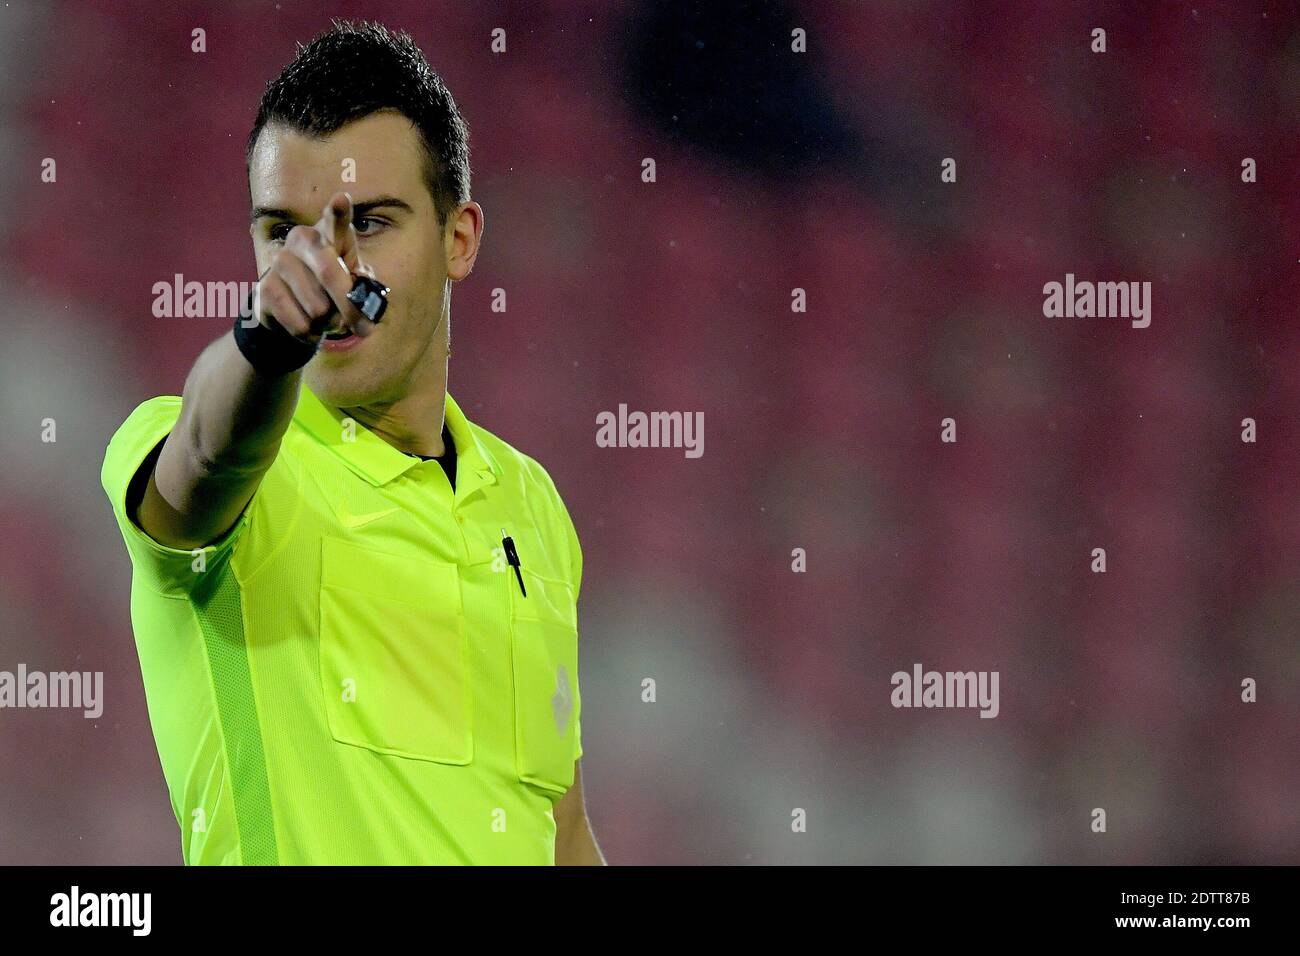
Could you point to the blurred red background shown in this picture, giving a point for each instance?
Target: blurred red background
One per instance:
(775, 171)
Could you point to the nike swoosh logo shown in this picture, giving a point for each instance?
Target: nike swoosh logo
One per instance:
(356, 521)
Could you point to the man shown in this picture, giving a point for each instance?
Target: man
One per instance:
(355, 610)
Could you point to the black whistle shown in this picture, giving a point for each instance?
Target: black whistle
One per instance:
(370, 297)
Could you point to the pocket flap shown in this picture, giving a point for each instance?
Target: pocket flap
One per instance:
(390, 577)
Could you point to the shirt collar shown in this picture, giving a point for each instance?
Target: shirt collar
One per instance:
(378, 462)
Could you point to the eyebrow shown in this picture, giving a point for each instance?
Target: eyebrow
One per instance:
(358, 209)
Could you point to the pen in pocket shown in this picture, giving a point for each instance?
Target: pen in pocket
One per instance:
(512, 558)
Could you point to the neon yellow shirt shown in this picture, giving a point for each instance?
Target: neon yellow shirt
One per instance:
(351, 674)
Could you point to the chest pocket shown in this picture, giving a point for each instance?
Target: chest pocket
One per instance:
(544, 653)
(394, 657)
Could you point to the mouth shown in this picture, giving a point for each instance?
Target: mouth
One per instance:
(337, 340)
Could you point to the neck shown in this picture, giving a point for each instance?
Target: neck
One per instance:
(412, 423)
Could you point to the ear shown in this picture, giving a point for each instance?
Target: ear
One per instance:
(464, 235)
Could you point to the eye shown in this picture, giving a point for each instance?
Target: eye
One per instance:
(279, 232)
(368, 225)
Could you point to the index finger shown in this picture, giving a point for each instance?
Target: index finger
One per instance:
(336, 227)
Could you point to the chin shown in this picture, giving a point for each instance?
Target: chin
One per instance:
(343, 388)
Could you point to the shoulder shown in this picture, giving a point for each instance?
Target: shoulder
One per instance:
(137, 436)
(147, 416)
(518, 469)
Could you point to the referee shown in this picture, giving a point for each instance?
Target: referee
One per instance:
(355, 609)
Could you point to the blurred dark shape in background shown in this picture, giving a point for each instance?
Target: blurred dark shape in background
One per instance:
(721, 78)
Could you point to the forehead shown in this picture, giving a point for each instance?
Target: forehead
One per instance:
(293, 170)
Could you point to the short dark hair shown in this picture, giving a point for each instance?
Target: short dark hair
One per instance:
(354, 69)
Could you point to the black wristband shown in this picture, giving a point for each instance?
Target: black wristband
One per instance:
(270, 349)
